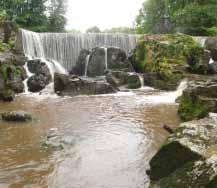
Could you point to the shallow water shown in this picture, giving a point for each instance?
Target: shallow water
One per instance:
(114, 137)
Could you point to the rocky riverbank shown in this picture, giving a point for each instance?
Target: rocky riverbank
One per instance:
(188, 157)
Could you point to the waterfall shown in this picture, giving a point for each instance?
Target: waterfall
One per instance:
(29, 74)
(211, 61)
(106, 58)
(86, 64)
(141, 78)
(65, 47)
(200, 40)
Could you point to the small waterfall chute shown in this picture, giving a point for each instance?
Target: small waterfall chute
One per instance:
(106, 58)
(86, 64)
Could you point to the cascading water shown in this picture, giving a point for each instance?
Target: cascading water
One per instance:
(86, 64)
(106, 58)
(200, 40)
(65, 47)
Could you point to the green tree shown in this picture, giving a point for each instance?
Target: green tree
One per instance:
(57, 20)
(30, 14)
(196, 17)
(127, 30)
(93, 29)
(153, 17)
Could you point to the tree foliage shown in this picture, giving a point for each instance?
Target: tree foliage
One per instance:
(36, 15)
(56, 18)
(120, 30)
(93, 29)
(196, 17)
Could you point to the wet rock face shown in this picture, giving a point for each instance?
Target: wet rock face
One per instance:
(115, 57)
(188, 158)
(37, 82)
(211, 45)
(118, 60)
(79, 68)
(213, 68)
(11, 76)
(16, 116)
(72, 85)
(120, 78)
(96, 65)
(41, 78)
(199, 99)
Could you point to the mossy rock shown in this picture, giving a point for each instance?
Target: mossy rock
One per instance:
(168, 57)
(198, 100)
(9, 70)
(16, 116)
(133, 82)
(192, 108)
(7, 95)
(157, 81)
(199, 174)
(192, 141)
(153, 49)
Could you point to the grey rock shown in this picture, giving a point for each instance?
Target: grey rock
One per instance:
(192, 143)
(16, 116)
(211, 45)
(72, 85)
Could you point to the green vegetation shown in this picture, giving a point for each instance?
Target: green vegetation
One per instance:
(127, 30)
(194, 17)
(37, 15)
(96, 29)
(93, 29)
(165, 58)
(4, 47)
(162, 53)
(192, 108)
(7, 68)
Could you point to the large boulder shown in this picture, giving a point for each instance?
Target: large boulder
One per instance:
(42, 76)
(188, 158)
(120, 78)
(199, 99)
(118, 60)
(97, 62)
(72, 85)
(80, 66)
(211, 45)
(198, 60)
(16, 116)
(37, 82)
(7, 95)
(39, 67)
(213, 67)
(11, 77)
(20, 59)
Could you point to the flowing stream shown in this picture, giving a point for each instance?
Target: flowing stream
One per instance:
(112, 138)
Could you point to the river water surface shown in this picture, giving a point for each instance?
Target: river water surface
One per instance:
(114, 137)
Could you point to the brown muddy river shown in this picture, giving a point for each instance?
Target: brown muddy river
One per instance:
(114, 137)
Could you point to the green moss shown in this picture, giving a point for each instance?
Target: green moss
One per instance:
(163, 55)
(4, 70)
(7, 94)
(4, 47)
(191, 108)
(155, 48)
(133, 84)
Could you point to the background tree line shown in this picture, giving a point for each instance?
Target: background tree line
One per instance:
(195, 17)
(35, 15)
